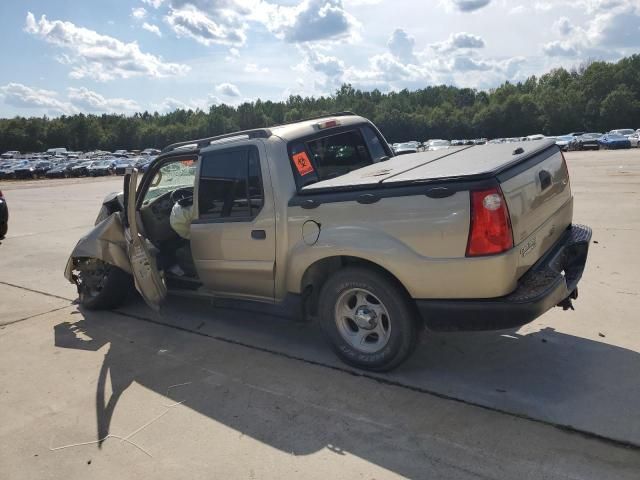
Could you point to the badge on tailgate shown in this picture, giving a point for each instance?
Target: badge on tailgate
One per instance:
(528, 247)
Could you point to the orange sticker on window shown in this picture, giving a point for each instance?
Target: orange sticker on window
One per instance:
(302, 163)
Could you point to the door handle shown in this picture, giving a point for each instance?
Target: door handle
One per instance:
(258, 234)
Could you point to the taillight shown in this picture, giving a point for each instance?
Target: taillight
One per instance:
(490, 230)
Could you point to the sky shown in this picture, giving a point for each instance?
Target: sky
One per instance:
(123, 56)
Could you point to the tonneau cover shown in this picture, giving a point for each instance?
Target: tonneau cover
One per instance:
(470, 161)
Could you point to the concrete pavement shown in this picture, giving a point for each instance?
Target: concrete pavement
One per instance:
(265, 398)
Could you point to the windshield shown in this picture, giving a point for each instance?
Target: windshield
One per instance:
(174, 175)
(439, 143)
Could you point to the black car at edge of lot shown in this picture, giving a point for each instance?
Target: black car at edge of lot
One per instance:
(4, 216)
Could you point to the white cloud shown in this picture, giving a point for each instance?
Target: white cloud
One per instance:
(315, 20)
(457, 41)
(101, 57)
(89, 101)
(152, 28)
(154, 3)
(223, 29)
(612, 31)
(563, 25)
(401, 45)
(255, 68)
(22, 96)
(138, 13)
(560, 49)
(467, 5)
(228, 90)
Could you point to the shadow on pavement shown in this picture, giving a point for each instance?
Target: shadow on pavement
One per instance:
(546, 375)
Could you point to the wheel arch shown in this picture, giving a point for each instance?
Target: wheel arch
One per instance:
(316, 275)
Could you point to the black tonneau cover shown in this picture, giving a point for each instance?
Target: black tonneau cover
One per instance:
(457, 163)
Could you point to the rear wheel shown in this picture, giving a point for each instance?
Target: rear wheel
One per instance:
(4, 227)
(368, 319)
(101, 286)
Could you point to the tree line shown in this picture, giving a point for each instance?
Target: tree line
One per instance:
(597, 96)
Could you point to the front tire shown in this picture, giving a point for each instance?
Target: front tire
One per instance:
(368, 319)
(102, 286)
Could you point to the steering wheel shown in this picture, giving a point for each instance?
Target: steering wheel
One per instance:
(181, 194)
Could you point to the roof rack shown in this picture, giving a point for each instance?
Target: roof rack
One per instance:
(203, 142)
(254, 133)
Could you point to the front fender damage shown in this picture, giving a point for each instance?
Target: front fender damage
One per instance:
(105, 242)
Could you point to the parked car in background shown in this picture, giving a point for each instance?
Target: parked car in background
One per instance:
(57, 151)
(100, 168)
(434, 145)
(60, 170)
(10, 154)
(566, 142)
(122, 164)
(537, 136)
(405, 148)
(23, 171)
(623, 131)
(150, 151)
(80, 169)
(9, 171)
(634, 140)
(613, 141)
(588, 141)
(4, 216)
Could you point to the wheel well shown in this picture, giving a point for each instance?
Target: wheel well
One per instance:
(317, 274)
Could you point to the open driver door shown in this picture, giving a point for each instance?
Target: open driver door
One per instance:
(148, 280)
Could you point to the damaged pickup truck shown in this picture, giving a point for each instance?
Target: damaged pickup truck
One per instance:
(320, 215)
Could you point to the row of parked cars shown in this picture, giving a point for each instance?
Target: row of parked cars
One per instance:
(615, 139)
(620, 138)
(91, 164)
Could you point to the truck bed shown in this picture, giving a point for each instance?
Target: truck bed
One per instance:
(457, 163)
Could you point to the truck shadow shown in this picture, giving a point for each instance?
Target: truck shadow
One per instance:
(547, 375)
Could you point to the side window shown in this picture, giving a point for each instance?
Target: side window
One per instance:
(378, 152)
(339, 154)
(230, 184)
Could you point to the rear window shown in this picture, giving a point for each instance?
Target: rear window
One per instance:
(339, 154)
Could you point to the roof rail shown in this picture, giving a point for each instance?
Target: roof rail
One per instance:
(203, 142)
(325, 115)
(254, 133)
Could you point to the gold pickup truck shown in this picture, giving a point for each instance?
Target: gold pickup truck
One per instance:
(320, 218)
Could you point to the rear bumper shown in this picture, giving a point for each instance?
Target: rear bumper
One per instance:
(551, 281)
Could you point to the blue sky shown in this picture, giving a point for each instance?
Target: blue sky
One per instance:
(63, 57)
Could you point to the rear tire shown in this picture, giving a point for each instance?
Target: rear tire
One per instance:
(102, 286)
(387, 329)
(4, 227)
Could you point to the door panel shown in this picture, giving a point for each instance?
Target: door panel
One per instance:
(147, 278)
(235, 255)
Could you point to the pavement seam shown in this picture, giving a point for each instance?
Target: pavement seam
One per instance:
(12, 322)
(385, 381)
(35, 291)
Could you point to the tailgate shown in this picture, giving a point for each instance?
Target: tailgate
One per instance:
(538, 195)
